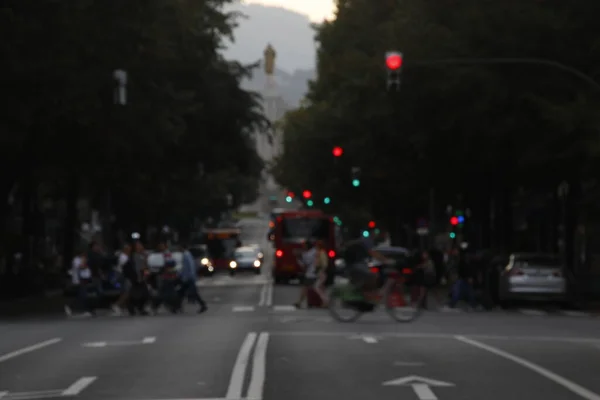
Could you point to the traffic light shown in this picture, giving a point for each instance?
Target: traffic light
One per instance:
(326, 200)
(337, 151)
(310, 203)
(366, 234)
(452, 235)
(393, 64)
(355, 176)
(288, 199)
(453, 220)
(307, 194)
(371, 224)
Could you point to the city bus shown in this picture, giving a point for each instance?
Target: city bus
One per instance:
(292, 229)
(221, 244)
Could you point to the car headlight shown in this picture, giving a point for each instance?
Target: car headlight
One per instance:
(210, 269)
(232, 264)
(257, 263)
(260, 255)
(204, 261)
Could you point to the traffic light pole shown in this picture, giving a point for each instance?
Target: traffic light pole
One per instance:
(515, 61)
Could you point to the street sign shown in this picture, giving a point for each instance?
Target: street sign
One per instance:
(420, 385)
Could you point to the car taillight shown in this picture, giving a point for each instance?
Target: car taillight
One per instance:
(279, 253)
(331, 254)
(271, 224)
(406, 271)
(375, 270)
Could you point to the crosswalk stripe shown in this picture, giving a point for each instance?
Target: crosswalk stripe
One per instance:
(571, 313)
(243, 309)
(531, 312)
(284, 308)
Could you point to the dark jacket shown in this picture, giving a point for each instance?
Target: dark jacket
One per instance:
(130, 271)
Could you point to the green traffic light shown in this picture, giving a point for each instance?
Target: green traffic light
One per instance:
(366, 233)
(452, 235)
(326, 200)
(309, 203)
(288, 199)
(355, 182)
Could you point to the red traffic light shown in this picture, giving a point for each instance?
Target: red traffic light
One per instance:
(291, 194)
(337, 151)
(307, 194)
(393, 60)
(454, 221)
(371, 224)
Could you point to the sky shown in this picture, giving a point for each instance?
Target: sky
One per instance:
(317, 10)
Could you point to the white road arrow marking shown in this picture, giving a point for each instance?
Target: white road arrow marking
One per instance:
(420, 385)
(365, 338)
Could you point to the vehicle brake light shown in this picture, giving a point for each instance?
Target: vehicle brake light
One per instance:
(375, 270)
(271, 224)
(331, 254)
(406, 271)
(279, 253)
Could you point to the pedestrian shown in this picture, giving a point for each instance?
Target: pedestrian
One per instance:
(128, 277)
(188, 275)
(81, 278)
(463, 287)
(308, 259)
(322, 264)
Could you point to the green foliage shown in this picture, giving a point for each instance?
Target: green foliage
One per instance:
(462, 129)
(183, 141)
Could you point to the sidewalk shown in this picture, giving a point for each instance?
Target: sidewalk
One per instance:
(49, 303)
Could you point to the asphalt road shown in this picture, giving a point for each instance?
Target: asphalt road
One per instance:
(252, 345)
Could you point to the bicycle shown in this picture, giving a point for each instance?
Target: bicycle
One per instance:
(395, 293)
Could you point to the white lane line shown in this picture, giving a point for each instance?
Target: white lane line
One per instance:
(269, 296)
(2, 394)
(236, 382)
(29, 349)
(259, 361)
(284, 308)
(423, 391)
(531, 312)
(243, 308)
(564, 382)
(570, 313)
(95, 344)
(148, 340)
(79, 386)
(369, 339)
(263, 296)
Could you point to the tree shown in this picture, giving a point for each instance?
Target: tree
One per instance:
(468, 131)
(184, 137)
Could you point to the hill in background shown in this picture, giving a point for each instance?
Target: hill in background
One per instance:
(292, 37)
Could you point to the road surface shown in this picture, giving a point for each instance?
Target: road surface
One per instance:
(252, 345)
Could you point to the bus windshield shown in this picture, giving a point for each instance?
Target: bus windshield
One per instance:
(293, 229)
(222, 247)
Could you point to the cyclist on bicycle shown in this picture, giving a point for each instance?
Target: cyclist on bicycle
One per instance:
(356, 255)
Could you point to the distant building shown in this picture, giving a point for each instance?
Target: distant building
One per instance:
(268, 148)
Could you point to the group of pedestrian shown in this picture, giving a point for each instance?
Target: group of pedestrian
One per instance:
(315, 261)
(138, 285)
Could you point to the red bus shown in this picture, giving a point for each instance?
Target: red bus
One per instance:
(221, 245)
(292, 229)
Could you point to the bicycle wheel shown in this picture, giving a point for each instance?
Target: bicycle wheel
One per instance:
(339, 306)
(401, 303)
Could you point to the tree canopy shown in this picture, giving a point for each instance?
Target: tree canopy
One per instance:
(174, 151)
(468, 131)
